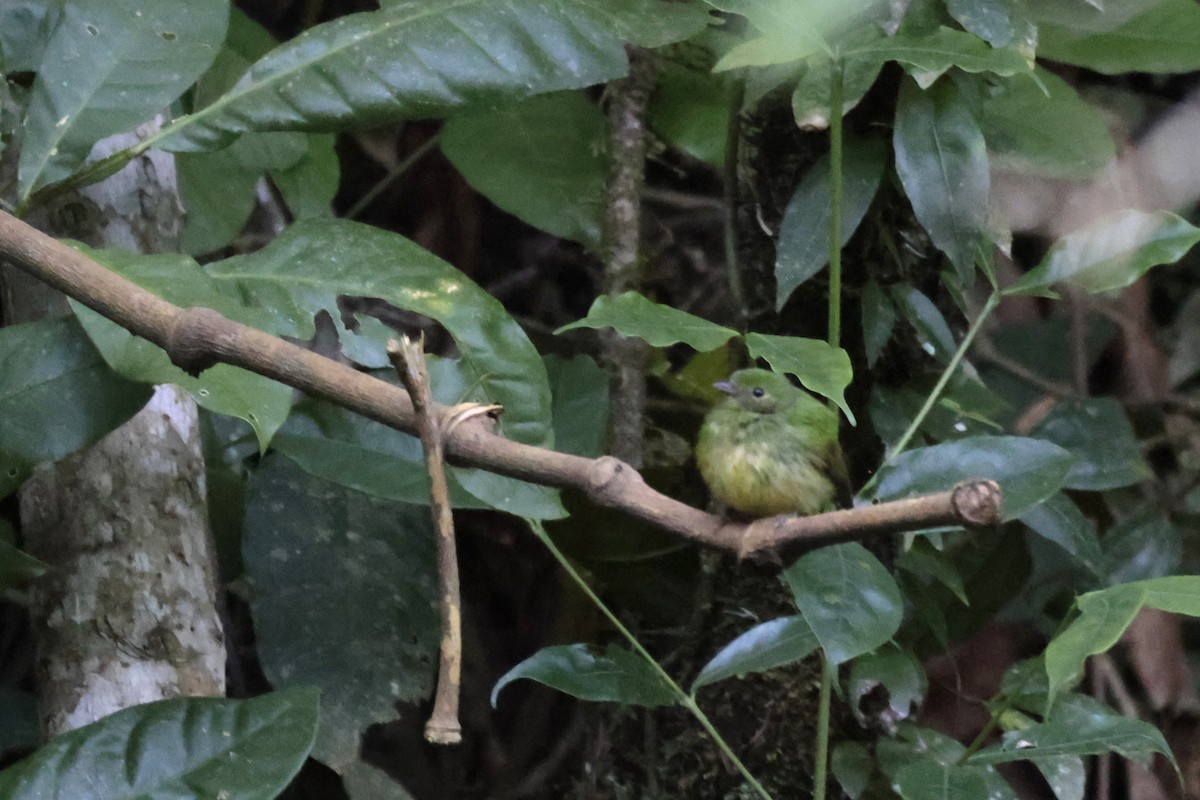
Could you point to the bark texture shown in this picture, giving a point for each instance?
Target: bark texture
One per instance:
(128, 613)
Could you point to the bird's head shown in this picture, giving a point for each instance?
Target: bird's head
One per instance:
(760, 391)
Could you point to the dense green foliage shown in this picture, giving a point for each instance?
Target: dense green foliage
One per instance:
(513, 81)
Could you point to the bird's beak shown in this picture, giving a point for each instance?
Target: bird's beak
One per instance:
(724, 386)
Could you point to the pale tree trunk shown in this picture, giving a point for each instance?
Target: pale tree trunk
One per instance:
(128, 613)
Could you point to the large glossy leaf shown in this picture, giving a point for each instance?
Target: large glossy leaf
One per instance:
(282, 287)
(193, 748)
(1080, 725)
(541, 159)
(771, 644)
(227, 390)
(1141, 546)
(803, 247)
(1028, 470)
(367, 456)
(1106, 461)
(811, 97)
(1111, 253)
(927, 780)
(941, 159)
(109, 65)
(791, 30)
(690, 109)
(25, 26)
(822, 368)
(56, 396)
(848, 598)
(1059, 520)
(422, 59)
(927, 56)
(1044, 128)
(925, 762)
(936, 337)
(990, 20)
(888, 672)
(1164, 37)
(616, 675)
(218, 188)
(631, 314)
(581, 392)
(342, 587)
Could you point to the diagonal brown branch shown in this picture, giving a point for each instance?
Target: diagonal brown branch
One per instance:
(198, 338)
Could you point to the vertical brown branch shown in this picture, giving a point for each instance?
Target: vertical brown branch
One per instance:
(443, 726)
(622, 248)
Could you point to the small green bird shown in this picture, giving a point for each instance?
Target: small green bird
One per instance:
(771, 448)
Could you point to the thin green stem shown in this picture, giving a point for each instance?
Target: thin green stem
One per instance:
(686, 700)
(835, 205)
(965, 345)
(821, 755)
(733, 139)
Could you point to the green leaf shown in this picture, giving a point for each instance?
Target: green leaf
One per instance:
(941, 159)
(224, 389)
(542, 160)
(1111, 253)
(690, 109)
(988, 19)
(822, 368)
(1059, 520)
(580, 670)
(281, 288)
(1178, 594)
(1164, 38)
(1028, 470)
(1103, 617)
(926, 780)
(309, 186)
(109, 65)
(1043, 127)
(342, 587)
(218, 188)
(803, 247)
(927, 56)
(419, 60)
(849, 599)
(900, 675)
(1141, 546)
(878, 320)
(794, 29)
(810, 98)
(18, 567)
(631, 314)
(25, 27)
(924, 316)
(1098, 433)
(922, 558)
(1065, 775)
(193, 748)
(360, 454)
(1080, 725)
(852, 765)
(56, 396)
(771, 644)
(580, 389)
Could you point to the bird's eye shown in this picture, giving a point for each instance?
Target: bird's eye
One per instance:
(758, 391)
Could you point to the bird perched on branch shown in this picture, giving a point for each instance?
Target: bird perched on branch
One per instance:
(771, 448)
